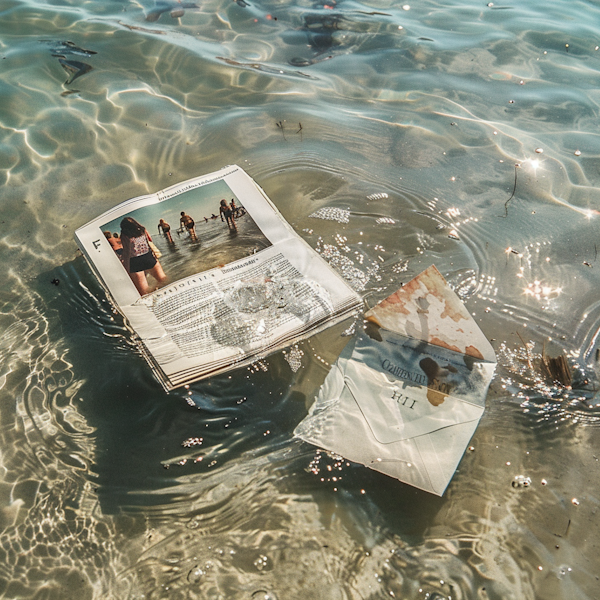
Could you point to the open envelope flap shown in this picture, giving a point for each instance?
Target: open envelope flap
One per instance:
(407, 388)
(336, 423)
(427, 309)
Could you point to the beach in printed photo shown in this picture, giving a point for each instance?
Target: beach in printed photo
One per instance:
(214, 241)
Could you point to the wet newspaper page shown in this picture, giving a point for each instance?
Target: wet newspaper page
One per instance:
(210, 276)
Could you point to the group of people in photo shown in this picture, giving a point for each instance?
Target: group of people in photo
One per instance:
(185, 223)
(139, 255)
(228, 211)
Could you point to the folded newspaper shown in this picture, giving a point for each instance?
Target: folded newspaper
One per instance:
(407, 393)
(210, 276)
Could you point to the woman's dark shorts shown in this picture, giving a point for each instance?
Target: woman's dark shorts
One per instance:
(142, 263)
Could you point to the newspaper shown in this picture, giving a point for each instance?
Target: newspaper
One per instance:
(211, 276)
(407, 393)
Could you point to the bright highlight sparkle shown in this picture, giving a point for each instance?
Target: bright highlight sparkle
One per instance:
(540, 290)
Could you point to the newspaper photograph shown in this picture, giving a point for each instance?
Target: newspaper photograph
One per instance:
(195, 231)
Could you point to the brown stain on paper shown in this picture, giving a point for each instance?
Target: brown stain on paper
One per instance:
(435, 395)
(469, 350)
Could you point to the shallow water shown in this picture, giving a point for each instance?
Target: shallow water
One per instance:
(388, 136)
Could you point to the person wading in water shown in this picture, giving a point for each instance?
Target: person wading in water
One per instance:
(165, 229)
(187, 222)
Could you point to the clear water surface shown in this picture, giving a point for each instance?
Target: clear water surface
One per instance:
(405, 123)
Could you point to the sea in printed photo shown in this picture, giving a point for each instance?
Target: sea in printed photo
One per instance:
(216, 241)
(391, 136)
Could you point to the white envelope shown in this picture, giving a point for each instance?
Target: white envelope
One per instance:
(406, 395)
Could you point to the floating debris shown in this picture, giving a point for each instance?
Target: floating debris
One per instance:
(517, 166)
(520, 481)
(144, 29)
(577, 153)
(330, 213)
(60, 49)
(453, 234)
(298, 61)
(280, 126)
(556, 368)
(74, 68)
(539, 150)
(176, 10)
(320, 30)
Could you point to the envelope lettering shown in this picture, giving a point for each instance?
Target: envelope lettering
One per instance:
(401, 373)
(403, 400)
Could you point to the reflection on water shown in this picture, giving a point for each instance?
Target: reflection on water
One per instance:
(388, 135)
